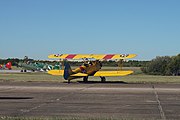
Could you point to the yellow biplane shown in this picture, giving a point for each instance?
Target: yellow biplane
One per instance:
(91, 66)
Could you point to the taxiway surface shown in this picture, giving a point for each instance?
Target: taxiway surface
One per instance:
(92, 100)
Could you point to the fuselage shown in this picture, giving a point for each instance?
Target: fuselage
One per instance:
(89, 68)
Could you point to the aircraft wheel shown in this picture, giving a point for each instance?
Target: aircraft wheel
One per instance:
(68, 81)
(85, 79)
(21, 70)
(25, 70)
(103, 79)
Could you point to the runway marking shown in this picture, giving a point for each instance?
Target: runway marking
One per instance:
(159, 104)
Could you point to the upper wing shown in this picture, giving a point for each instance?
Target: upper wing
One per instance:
(113, 73)
(93, 56)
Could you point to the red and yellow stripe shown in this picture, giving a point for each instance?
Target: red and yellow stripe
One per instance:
(92, 56)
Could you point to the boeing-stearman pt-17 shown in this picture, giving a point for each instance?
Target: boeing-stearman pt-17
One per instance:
(31, 65)
(92, 65)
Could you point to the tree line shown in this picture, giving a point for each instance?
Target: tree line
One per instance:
(164, 65)
(130, 63)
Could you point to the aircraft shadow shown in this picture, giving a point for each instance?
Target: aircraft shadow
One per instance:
(107, 82)
(15, 98)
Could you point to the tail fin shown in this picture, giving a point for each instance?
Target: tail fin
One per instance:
(67, 70)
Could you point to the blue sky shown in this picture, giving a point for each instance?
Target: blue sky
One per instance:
(37, 28)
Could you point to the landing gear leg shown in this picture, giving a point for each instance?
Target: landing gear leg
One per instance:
(103, 79)
(85, 79)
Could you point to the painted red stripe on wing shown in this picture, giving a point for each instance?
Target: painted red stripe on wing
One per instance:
(108, 56)
(70, 56)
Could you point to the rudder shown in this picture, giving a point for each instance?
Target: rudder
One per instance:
(67, 70)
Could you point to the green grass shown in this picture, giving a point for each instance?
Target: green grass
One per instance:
(137, 77)
(141, 78)
(29, 77)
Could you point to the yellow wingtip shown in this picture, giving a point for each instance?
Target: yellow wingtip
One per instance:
(51, 56)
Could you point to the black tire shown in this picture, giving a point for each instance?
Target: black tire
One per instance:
(85, 79)
(103, 79)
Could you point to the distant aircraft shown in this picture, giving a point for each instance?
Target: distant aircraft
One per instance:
(8, 66)
(34, 66)
(92, 65)
(29, 64)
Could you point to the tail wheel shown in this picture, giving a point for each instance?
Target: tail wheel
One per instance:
(68, 81)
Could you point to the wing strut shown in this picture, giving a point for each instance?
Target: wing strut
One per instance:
(120, 64)
(62, 63)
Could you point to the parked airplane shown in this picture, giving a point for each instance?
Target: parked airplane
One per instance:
(29, 64)
(92, 65)
(8, 66)
(34, 66)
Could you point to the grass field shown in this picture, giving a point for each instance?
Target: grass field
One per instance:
(137, 77)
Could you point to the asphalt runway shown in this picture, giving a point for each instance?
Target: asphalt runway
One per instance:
(92, 100)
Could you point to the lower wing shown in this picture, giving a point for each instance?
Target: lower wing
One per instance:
(98, 73)
(113, 73)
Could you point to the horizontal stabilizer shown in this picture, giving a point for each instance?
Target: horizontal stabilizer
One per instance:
(113, 73)
(56, 72)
